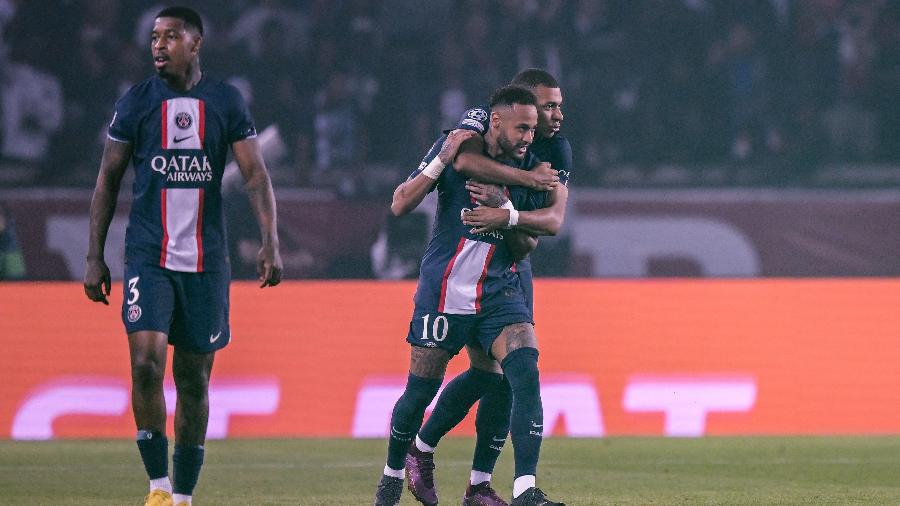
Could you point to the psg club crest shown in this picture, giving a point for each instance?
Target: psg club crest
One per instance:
(183, 120)
(134, 313)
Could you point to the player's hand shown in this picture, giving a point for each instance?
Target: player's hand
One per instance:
(269, 266)
(486, 194)
(452, 142)
(485, 219)
(97, 282)
(543, 178)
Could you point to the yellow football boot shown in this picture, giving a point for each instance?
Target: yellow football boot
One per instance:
(158, 498)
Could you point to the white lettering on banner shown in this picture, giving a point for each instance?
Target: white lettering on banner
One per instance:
(76, 396)
(623, 246)
(109, 397)
(686, 401)
(569, 397)
(65, 236)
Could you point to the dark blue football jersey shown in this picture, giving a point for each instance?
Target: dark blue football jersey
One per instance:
(180, 144)
(555, 150)
(462, 272)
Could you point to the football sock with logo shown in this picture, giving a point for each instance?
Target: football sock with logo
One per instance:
(527, 419)
(186, 463)
(455, 401)
(491, 426)
(154, 449)
(407, 417)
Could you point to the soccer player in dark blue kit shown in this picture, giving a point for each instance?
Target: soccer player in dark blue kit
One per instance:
(175, 128)
(463, 391)
(468, 296)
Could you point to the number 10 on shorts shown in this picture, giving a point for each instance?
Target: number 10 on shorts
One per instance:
(439, 327)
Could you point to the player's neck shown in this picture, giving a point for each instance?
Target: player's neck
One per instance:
(184, 82)
(492, 146)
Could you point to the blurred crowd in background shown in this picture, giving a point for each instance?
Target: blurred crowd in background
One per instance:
(706, 91)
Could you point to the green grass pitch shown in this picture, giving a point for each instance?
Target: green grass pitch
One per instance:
(657, 471)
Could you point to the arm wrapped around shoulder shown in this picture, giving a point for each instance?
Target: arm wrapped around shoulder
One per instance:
(434, 168)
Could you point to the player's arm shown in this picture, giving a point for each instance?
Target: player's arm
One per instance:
(116, 155)
(547, 220)
(497, 212)
(262, 198)
(472, 162)
(520, 244)
(411, 192)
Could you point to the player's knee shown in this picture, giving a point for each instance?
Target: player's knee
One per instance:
(520, 367)
(421, 391)
(417, 396)
(494, 409)
(485, 380)
(194, 387)
(146, 371)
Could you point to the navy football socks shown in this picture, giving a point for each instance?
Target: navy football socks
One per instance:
(186, 462)
(154, 449)
(527, 420)
(492, 426)
(455, 401)
(407, 417)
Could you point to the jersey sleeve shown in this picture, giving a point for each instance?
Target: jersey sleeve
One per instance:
(527, 199)
(123, 127)
(561, 156)
(476, 119)
(431, 155)
(240, 123)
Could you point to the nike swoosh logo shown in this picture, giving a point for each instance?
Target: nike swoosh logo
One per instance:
(499, 439)
(536, 425)
(400, 432)
(176, 139)
(214, 338)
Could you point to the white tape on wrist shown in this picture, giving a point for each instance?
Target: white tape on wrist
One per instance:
(508, 205)
(513, 218)
(434, 168)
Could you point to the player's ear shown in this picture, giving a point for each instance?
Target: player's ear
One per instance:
(495, 118)
(198, 41)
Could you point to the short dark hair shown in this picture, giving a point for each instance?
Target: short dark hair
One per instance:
(186, 14)
(512, 94)
(531, 78)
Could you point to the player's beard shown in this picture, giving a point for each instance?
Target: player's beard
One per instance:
(509, 149)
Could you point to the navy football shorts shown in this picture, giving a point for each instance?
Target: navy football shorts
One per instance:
(452, 332)
(190, 307)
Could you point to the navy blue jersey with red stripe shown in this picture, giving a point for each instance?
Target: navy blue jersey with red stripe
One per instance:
(462, 272)
(555, 150)
(180, 144)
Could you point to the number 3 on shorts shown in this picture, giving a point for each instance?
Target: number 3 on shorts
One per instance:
(438, 329)
(133, 293)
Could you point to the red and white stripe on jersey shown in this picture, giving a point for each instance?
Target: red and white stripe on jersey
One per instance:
(182, 221)
(183, 123)
(464, 277)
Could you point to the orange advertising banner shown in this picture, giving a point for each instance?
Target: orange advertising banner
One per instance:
(645, 357)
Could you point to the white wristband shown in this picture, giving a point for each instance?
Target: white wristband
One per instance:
(434, 168)
(513, 218)
(508, 205)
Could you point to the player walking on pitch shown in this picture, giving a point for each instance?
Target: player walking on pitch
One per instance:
(176, 127)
